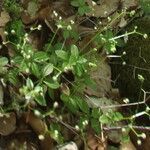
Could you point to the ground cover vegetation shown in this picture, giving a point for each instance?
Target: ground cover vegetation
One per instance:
(74, 74)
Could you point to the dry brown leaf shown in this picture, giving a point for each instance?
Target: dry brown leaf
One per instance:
(4, 18)
(127, 146)
(129, 4)
(105, 8)
(102, 77)
(40, 128)
(95, 143)
(7, 124)
(122, 23)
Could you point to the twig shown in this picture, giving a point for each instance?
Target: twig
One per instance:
(119, 128)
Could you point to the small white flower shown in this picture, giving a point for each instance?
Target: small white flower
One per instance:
(55, 105)
(5, 32)
(60, 117)
(124, 53)
(41, 137)
(4, 43)
(59, 26)
(37, 113)
(93, 3)
(100, 23)
(28, 97)
(105, 12)
(95, 28)
(13, 32)
(31, 28)
(27, 70)
(139, 142)
(54, 78)
(123, 130)
(143, 135)
(135, 27)
(60, 18)
(55, 13)
(132, 12)
(28, 56)
(41, 93)
(141, 78)
(39, 27)
(103, 39)
(95, 49)
(147, 109)
(126, 100)
(77, 127)
(92, 64)
(12, 61)
(124, 63)
(18, 46)
(86, 122)
(56, 132)
(145, 36)
(109, 19)
(26, 35)
(71, 21)
(27, 39)
(69, 27)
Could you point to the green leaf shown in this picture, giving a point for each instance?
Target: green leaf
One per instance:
(40, 100)
(29, 83)
(96, 113)
(52, 85)
(74, 55)
(81, 11)
(95, 125)
(117, 116)
(40, 57)
(74, 51)
(12, 77)
(17, 59)
(3, 61)
(145, 4)
(75, 3)
(86, 9)
(104, 119)
(35, 70)
(66, 34)
(82, 104)
(81, 2)
(70, 103)
(48, 69)
(62, 54)
(78, 70)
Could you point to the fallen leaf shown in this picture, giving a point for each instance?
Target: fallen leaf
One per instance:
(127, 146)
(129, 4)
(102, 77)
(7, 124)
(96, 143)
(103, 10)
(4, 18)
(40, 128)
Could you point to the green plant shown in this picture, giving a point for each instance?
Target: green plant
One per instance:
(38, 74)
(83, 8)
(12, 7)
